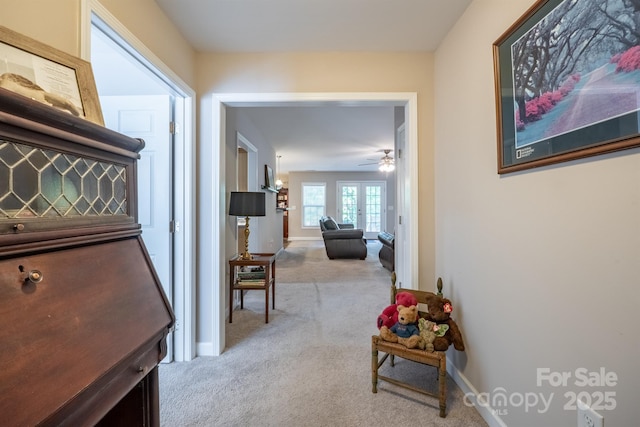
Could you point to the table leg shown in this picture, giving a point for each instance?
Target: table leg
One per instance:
(266, 304)
(273, 291)
(231, 279)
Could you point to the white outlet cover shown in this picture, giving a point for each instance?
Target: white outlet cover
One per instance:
(587, 417)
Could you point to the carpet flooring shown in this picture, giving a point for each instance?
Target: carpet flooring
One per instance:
(311, 364)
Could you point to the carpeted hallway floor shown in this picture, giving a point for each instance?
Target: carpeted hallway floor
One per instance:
(310, 366)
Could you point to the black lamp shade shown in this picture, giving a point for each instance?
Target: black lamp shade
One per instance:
(247, 203)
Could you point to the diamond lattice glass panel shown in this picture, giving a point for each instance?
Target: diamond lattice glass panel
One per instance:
(44, 183)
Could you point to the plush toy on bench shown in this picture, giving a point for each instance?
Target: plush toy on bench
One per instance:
(389, 315)
(405, 331)
(440, 312)
(429, 331)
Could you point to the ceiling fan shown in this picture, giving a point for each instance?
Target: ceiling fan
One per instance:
(385, 164)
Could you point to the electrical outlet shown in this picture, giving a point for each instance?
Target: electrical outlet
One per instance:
(587, 417)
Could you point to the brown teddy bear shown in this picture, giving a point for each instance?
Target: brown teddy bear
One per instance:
(440, 312)
(405, 331)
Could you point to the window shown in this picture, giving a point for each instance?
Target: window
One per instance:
(313, 203)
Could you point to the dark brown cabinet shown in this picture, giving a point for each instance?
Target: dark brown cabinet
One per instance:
(84, 316)
(283, 204)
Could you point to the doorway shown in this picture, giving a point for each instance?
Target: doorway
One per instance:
(362, 204)
(141, 100)
(211, 207)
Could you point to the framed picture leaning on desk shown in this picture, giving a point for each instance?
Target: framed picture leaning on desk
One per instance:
(48, 75)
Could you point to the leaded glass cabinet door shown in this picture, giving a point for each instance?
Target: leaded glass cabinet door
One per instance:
(40, 183)
(62, 185)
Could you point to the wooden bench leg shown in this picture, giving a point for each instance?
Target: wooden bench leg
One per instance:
(442, 386)
(374, 367)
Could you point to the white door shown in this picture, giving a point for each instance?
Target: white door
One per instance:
(362, 204)
(149, 118)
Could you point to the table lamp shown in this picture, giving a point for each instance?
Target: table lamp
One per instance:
(246, 204)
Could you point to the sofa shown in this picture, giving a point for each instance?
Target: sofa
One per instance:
(342, 240)
(387, 254)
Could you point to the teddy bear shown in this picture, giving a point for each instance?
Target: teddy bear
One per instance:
(389, 316)
(440, 312)
(405, 331)
(428, 332)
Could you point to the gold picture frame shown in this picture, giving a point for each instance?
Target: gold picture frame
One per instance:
(48, 75)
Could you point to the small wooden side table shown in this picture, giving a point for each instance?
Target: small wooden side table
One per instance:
(266, 260)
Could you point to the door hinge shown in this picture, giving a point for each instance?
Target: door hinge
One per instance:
(400, 220)
(173, 128)
(174, 226)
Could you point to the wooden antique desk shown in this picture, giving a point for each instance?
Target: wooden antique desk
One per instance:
(84, 317)
(265, 260)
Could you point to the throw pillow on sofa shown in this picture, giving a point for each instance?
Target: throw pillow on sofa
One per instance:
(331, 224)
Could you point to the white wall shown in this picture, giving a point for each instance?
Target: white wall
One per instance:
(542, 265)
(266, 232)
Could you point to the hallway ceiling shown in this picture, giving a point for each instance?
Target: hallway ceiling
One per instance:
(314, 25)
(328, 137)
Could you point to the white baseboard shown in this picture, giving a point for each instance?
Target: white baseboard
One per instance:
(290, 239)
(489, 414)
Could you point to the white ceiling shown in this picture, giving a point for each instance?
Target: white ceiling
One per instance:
(328, 137)
(314, 25)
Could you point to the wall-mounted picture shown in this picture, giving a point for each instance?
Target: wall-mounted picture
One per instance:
(269, 181)
(48, 75)
(567, 79)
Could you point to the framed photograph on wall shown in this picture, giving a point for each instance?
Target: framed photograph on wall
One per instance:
(269, 181)
(567, 82)
(48, 75)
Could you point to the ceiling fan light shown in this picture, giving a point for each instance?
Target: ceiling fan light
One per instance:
(386, 167)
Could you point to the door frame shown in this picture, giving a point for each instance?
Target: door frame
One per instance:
(214, 238)
(184, 301)
(403, 205)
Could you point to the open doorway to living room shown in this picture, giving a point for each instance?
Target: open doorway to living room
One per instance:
(211, 206)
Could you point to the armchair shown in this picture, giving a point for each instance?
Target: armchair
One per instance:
(342, 240)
